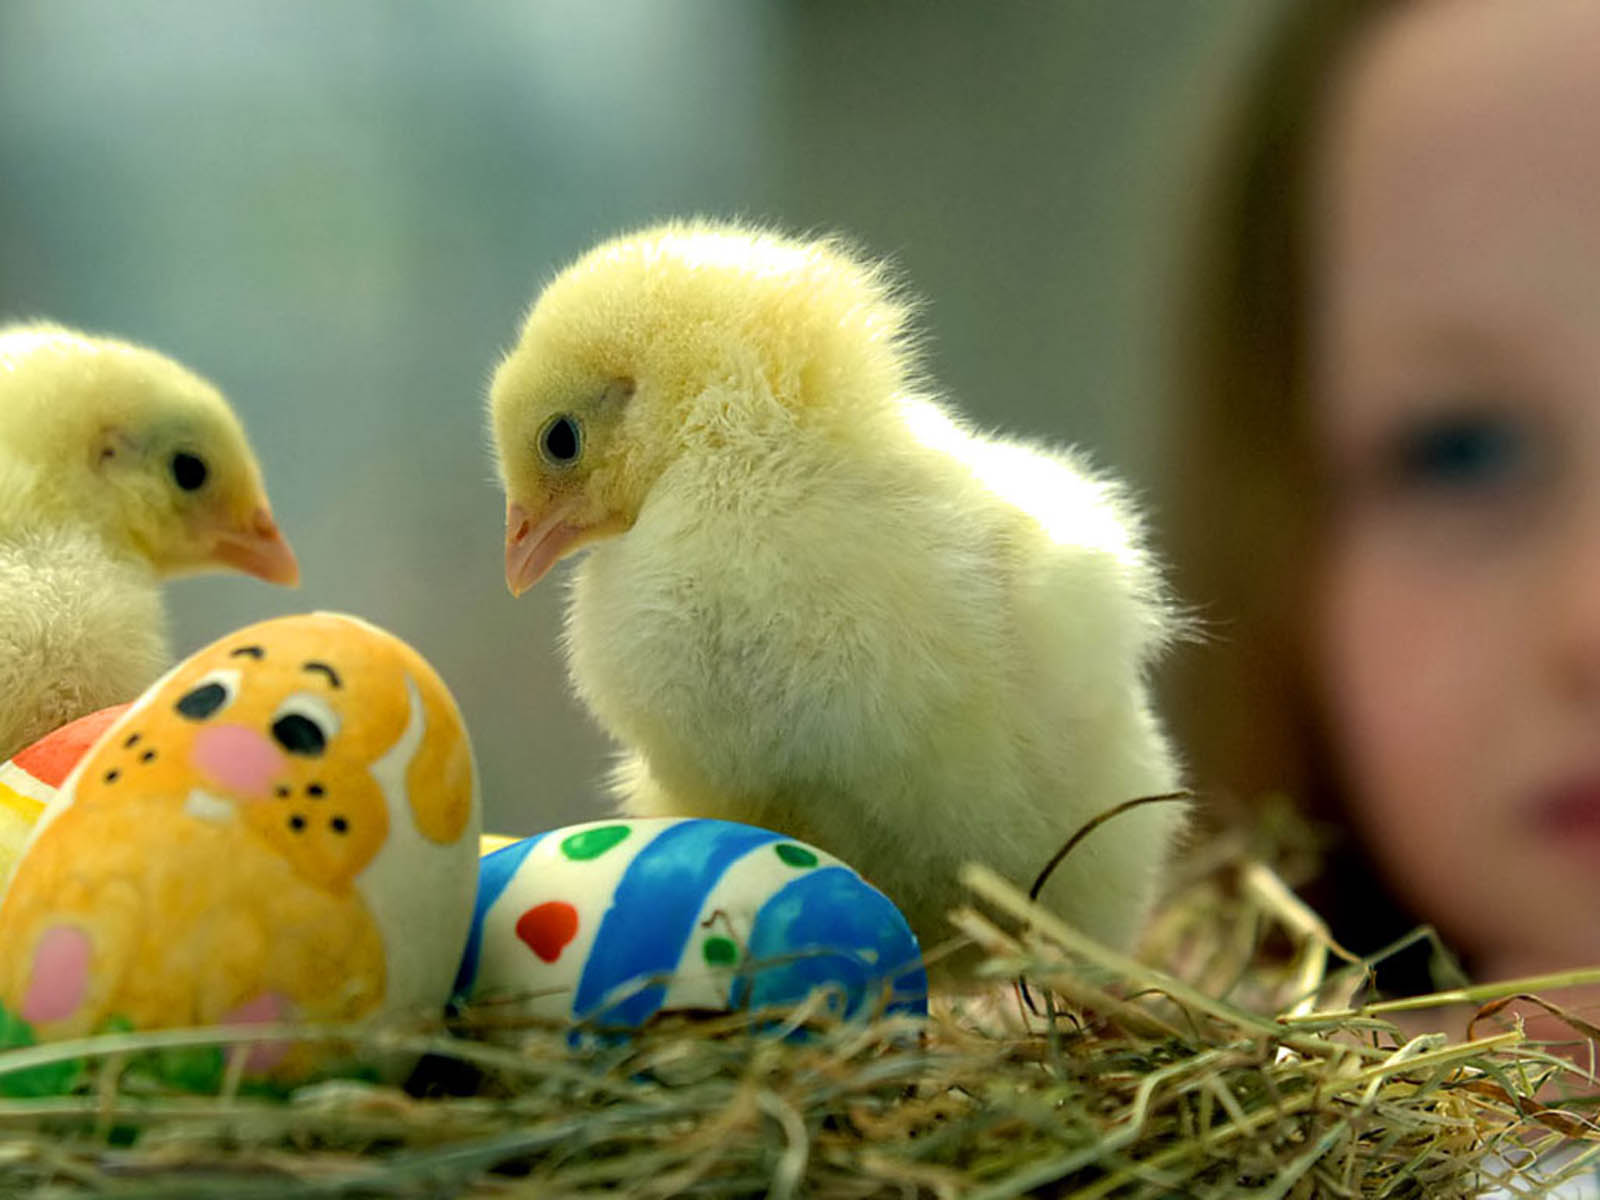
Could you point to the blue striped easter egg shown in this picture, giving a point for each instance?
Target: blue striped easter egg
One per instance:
(609, 923)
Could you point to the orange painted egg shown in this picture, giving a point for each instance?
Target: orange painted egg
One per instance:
(283, 828)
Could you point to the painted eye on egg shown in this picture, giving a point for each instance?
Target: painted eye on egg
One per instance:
(189, 471)
(561, 440)
(304, 724)
(208, 697)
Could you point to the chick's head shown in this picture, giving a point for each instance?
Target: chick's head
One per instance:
(678, 339)
(138, 447)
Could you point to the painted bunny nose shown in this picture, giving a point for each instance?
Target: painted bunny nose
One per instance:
(237, 759)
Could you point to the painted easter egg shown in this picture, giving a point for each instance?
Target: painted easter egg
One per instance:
(612, 922)
(283, 828)
(30, 778)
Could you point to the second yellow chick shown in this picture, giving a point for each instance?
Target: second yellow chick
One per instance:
(815, 599)
(118, 467)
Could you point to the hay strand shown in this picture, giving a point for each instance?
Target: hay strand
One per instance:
(1217, 1074)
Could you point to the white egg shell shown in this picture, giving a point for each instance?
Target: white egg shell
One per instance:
(612, 922)
(284, 827)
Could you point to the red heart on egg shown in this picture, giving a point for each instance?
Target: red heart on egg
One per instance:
(548, 927)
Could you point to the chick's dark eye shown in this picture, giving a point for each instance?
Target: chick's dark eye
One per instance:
(199, 703)
(562, 441)
(189, 471)
(298, 735)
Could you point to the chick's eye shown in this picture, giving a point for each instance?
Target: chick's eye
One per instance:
(189, 471)
(561, 441)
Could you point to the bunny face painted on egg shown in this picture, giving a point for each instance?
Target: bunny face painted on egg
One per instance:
(280, 727)
(254, 731)
(282, 744)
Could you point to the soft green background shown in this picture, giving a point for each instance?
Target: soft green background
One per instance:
(338, 209)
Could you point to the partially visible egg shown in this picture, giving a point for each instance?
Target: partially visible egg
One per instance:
(283, 828)
(30, 778)
(609, 923)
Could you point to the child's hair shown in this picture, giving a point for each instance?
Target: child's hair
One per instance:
(1242, 502)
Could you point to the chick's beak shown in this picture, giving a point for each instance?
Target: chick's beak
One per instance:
(259, 549)
(535, 543)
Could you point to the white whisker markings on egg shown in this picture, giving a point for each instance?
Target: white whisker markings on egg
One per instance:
(209, 807)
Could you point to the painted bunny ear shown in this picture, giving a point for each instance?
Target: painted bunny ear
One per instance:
(439, 778)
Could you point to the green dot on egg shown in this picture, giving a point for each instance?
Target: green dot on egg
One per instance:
(192, 1068)
(48, 1079)
(720, 951)
(592, 843)
(14, 1031)
(795, 856)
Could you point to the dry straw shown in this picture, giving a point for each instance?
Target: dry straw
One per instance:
(1230, 1073)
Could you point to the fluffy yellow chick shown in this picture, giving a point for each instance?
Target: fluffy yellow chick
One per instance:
(814, 600)
(118, 467)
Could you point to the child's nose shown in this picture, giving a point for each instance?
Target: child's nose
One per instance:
(238, 759)
(1568, 611)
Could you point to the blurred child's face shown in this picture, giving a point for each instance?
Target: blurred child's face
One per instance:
(1456, 354)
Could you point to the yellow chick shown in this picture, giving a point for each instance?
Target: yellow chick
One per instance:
(118, 467)
(815, 600)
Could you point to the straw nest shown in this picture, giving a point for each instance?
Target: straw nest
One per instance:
(1233, 1071)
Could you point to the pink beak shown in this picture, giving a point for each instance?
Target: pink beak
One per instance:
(534, 546)
(260, 550)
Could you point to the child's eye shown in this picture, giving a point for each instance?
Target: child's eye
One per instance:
(1463, 472)
(1460, 454)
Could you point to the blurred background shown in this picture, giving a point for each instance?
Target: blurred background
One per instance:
(339, 212)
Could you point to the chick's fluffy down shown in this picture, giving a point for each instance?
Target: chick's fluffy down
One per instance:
(79, 631)
(832, 608)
